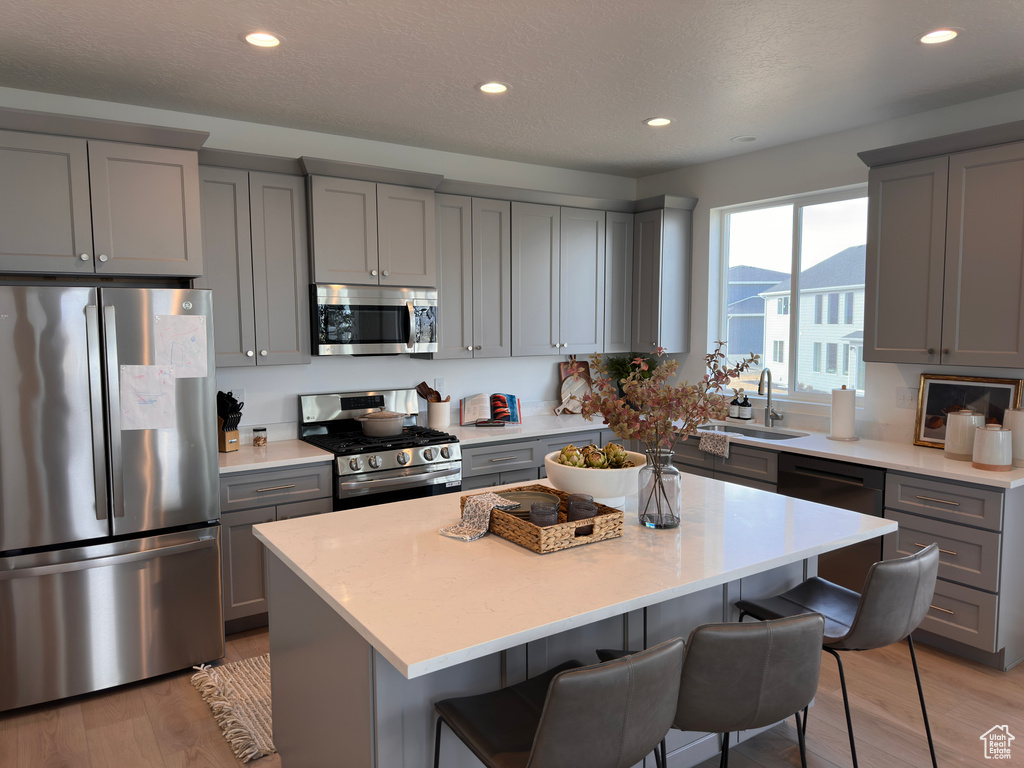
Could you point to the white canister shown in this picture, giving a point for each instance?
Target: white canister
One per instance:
(1013, 420)
(993, 449)
(439, 415)
(960, 428)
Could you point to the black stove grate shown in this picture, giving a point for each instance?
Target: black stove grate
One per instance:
(349, 442)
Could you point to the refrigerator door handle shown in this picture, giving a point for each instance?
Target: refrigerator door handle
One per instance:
(92, 337)
(102, 562)
(114, 411)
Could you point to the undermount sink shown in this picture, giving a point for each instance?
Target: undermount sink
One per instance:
(759, 432)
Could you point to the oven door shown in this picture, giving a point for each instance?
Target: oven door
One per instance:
(367, 320)
(368, 488)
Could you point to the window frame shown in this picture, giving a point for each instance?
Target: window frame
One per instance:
(799, 203)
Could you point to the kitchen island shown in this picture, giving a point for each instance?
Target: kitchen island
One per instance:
(374, 615)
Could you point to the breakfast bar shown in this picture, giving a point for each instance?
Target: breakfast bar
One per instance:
(374, 615)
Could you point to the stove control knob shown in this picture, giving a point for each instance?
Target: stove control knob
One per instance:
(446, 453)
(428, 454)
(355, 464)
(403, 458)
(375, 462)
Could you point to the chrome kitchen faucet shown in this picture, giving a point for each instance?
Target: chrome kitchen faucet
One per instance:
(770, 416)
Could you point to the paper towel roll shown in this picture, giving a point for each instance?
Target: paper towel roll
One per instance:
(844, 408)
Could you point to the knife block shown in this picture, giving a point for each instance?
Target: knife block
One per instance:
(226, 441)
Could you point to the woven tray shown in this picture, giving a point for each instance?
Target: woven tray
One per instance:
(607, 524)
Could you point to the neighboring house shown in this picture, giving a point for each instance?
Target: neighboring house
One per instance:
(831, 323)
(744, 313)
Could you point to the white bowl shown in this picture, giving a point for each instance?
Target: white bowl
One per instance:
(608, 486)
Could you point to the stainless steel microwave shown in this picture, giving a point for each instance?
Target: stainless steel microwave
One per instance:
(373, 320)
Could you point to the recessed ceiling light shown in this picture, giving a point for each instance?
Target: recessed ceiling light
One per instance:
(656, 122)
(262, 39)
(938, 36)
(743, 139)
(492, 87)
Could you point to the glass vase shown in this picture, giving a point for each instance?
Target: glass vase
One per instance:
(660, 490)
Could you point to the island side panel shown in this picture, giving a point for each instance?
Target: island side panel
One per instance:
(321, 679)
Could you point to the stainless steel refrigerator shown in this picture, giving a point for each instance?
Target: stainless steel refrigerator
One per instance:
(109, 496)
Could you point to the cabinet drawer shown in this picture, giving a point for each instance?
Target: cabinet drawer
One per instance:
(579, 439)
(251, 489)
(689, 454)
(502, 457)
(963, 614)
(749, 463)
(966, 555)
(304, 508)
(966, 504)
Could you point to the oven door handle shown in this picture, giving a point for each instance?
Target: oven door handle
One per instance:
(399, 482)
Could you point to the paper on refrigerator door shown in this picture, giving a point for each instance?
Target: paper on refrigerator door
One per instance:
(147, 397)
(181, 342)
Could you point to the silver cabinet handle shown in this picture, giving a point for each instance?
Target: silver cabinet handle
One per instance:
(469, 348)
(942, 609)
(940, 501)
(504, 458)
(263, 353)
(943, 551)
(103, 257)
(84, 256)
(386, 273)
(479, 347)
(373, 272)
(249, 353)
(275, 488)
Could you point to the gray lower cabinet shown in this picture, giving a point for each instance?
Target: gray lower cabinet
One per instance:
(94, 207)
(519, 461)
(250, 498)
(938, 230)
(661, 278)
(975, 611)
(558, 264)
(257, 264)
(364, 233)
(746, 465)
(474, 254)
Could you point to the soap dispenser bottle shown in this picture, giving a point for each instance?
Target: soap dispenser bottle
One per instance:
(746, 411)
(734, 405)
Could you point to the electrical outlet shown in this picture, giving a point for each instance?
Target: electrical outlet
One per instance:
(439, 386)
(906, 397)
(238, 394)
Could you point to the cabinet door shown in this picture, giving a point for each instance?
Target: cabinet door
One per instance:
(224, 201)
(280, 268)
(344, 230)
(455, 277)
(145, 210)
(906, 247)
(581, 264)
(44, 204)
(492, 278)
(406, 254)
(618, 286)
(535, 279)
(244, 563)
(646, 276)
(982, 321)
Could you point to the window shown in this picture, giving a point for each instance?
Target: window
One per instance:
(803, 259)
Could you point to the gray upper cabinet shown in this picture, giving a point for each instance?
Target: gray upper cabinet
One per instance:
(618, 291)
(661, 280)
(558, 263)
(474, 271)
(906, 251)
(254, 236)
(372, 234)
(945, 260)
(76, 206)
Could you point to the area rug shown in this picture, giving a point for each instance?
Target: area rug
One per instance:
(239, 697)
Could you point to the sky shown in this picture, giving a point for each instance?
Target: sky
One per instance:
(763, 238)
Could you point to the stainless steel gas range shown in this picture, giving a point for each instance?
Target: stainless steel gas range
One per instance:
(373, 470)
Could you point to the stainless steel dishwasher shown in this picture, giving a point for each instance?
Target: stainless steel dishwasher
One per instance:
(847, 486)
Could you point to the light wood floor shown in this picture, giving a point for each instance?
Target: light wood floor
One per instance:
(163, 723)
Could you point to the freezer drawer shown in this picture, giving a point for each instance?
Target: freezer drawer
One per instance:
(85, 619)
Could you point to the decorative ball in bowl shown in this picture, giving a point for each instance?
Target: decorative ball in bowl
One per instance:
(608, 486)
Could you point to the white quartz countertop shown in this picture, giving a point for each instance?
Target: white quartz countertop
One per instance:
(534, 425)
(427, 602)
(279, 453)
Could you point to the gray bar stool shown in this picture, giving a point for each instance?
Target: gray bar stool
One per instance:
(600, 716)
(740, 676)
(894, 601)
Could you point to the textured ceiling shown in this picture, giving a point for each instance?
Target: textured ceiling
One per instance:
(584, 73)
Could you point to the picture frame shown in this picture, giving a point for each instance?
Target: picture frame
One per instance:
(939, 395)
